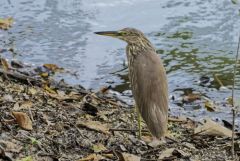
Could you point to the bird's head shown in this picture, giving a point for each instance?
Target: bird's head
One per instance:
(130, 35)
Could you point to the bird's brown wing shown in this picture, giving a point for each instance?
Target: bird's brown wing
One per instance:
(150, 91)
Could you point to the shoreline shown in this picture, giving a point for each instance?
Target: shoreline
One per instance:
(69, 123)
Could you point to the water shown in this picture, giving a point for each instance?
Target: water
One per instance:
(194, 38)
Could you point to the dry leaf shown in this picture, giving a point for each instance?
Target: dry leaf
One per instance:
(105, 114)
(189, 145)
(212, 128)
(6, 23)
(50, 90)
(109, 156)
(99, 148)
(18, 89)
(44, 75)
(130, 157)
(32, 91)
(190, 124)
(210, 106)
(10, 146)
(166, 153)
(147, 139)
(105, 89)
(92, 157)
(5, 64)
(94, 125)
(23, 120)
(62, 98)
(16, 106)
(181, 153)
(177, 119)
(191, 97)
(155, 143)
(7, 98)
(26, 105)
(45, 118)
(52, 67)
(61, 93)
(230, 101)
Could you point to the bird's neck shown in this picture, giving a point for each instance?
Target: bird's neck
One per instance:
(139, 48)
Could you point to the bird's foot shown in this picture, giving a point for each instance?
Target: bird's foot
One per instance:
(156, 142)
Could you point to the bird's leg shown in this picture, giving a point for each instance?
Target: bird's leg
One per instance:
(139, 123)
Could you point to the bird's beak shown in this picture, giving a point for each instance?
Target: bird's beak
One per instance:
(109, 33)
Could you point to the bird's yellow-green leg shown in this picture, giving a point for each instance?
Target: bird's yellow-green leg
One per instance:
(139, 123)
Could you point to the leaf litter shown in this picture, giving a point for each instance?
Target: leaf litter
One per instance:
(54, 121)
(6, 23)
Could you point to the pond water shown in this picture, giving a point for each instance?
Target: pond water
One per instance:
(194, 38)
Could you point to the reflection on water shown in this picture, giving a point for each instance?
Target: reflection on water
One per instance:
(194, 39)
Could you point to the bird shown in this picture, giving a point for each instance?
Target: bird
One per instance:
(148, 80)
